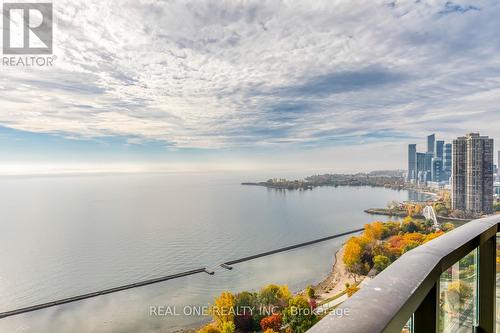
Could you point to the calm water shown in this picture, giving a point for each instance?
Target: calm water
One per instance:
(64, 236)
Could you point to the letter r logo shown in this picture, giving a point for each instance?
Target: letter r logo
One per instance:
(27, 28)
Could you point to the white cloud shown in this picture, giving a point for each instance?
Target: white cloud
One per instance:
(211, 74)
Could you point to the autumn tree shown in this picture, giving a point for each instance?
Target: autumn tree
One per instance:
(414, 237)
(418, 209)
(374, 231)
(431, 236)
(210, 328)
(411, 241)
(390, 229)
(393, 247)
(222, 310)
(227, 327)
(352, 254)
(273, 322)
(410, 210)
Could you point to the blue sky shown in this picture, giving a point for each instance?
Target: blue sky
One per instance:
(312, 86)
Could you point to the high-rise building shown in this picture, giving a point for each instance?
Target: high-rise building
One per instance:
(439, 152)
(437, 169)
(472, 174)
(431, 141)
(421, 167)
(424, 167)
(428, 163)
(447, 158)
(498, 167)
(412, 162)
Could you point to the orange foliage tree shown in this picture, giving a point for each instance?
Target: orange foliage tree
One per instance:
(273, 322)
(374, 230)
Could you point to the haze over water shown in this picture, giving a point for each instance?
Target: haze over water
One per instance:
(65, 236)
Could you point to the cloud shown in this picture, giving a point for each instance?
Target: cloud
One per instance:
(451, 7)
(339, 82)
(238, 74)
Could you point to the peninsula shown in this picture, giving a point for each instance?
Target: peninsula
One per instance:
(389, 179)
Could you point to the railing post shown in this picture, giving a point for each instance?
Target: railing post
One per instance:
(487, 286)
(425, 319)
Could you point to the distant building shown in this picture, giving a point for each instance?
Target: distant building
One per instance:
(439, 152)
(437, 169)
(412, 162)
(472, 174)
(447, 161)
(431, 141)
(421, 175)
(428, 163)
(498, 167)
(424, 166)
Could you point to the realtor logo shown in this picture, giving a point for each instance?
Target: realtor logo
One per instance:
(27, 28)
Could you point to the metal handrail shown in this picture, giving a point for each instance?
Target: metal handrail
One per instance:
(410, 285)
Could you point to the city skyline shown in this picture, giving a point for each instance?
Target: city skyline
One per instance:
(464, 166)
(251, 85)
(434, 165)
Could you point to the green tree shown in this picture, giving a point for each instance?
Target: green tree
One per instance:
(310, 292)
(429, 223)
(409, 225)
(274, 295)
(245, 300)
(299, 315)
(381, 262)
(247, 320)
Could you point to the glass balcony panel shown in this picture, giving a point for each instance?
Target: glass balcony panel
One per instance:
(498, 285)
(458, 296)
(408, 328)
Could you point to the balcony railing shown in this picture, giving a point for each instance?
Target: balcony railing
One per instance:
(414, 289)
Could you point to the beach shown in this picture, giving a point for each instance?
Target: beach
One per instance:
(335, 282)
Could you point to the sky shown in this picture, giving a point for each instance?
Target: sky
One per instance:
(315, 86)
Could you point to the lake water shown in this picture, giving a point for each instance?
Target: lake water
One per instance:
(64, 236)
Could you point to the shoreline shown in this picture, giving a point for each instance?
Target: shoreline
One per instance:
(334, 283)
